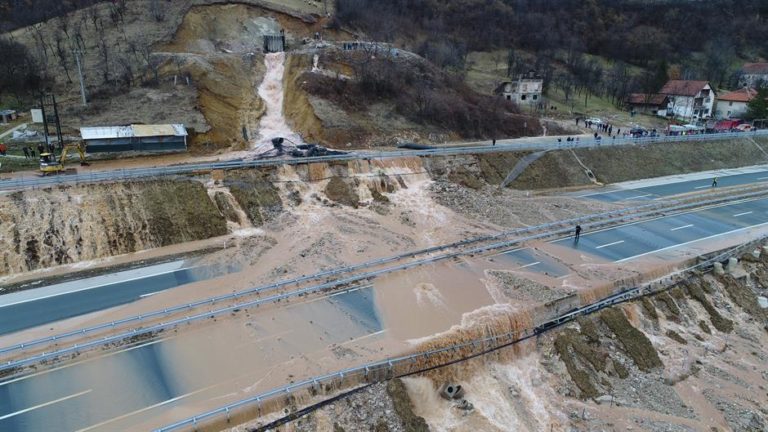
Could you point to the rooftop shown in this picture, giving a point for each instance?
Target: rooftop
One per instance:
(112, 132)
(741, 95)
(755, 68)
(683, 87)
(647, 99)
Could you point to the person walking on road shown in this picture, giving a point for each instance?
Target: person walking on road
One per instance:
(714, 182)
(577, 234)
(494, 141)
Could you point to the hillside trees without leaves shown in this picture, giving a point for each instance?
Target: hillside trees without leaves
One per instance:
(573, 32)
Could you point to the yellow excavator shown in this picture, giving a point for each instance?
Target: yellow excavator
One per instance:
(49, 164)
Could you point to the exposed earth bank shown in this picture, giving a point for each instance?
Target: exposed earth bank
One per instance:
(57, 226)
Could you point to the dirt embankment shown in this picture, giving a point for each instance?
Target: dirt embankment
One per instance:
(377, 97)
(216, 43)
(561, 168)
(255, 194)
(57, 226)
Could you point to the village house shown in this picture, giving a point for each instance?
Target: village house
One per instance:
(734, 104)
(652, 103)
(526, 89)
(689, 99)
(753, 75)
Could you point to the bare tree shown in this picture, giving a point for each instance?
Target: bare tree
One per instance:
(178, 61)
(152, 63)
(40, 40)
(127, 71)
(157, 9)
(63, 54)
(104, 54)
(93, 15)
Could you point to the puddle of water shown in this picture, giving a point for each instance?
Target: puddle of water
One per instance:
(430, 299)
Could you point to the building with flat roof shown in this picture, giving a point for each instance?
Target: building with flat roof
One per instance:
(141, 138)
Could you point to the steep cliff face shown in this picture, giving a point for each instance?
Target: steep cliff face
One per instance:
(43, 228)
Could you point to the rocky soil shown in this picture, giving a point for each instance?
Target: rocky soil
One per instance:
(44, 228)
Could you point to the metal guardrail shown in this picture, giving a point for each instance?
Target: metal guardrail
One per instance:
(386, 368)
(357, 278)
(187, 169)
(332, 272)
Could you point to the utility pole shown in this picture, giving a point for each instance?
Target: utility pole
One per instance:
(45, 120)
(77, 53)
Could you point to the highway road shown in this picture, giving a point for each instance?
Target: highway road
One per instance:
(615, 244)
(113, 392)
(652, 192)
(34, 307)
(117, 391)
(95, 176)
(631, 241)
(626, 242)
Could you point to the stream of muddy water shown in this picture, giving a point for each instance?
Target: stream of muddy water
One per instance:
(272, 91)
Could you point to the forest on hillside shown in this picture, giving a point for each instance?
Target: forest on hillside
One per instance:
(20, 13)
(565, 40)
(629, 30)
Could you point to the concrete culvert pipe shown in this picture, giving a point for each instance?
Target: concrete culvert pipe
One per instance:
(451, 391)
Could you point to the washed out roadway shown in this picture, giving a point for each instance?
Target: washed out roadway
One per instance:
(118, 390)
(139, 383)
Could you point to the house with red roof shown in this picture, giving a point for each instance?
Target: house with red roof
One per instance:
(689, 99)
(653, 103)
(734, 104)
(754, 75)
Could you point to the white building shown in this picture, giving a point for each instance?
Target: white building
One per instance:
(754, 74)
(734, 104)
(526, 89)
(689, 99)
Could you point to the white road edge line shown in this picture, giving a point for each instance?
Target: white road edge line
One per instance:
(177, 398)
(531, 264)
(22, 378)
(762, 178)
(681, 227)
(91, 287)
(702, 187)
(692, 241)
(43, 405)
(609, 244)
(742, 214)
(639, 196)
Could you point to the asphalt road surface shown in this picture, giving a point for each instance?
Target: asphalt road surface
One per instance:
(114, 391)
(669, 189)
(31, 308)
(119, 390)
(634, 240)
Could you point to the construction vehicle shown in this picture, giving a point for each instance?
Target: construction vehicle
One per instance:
(49, 164)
